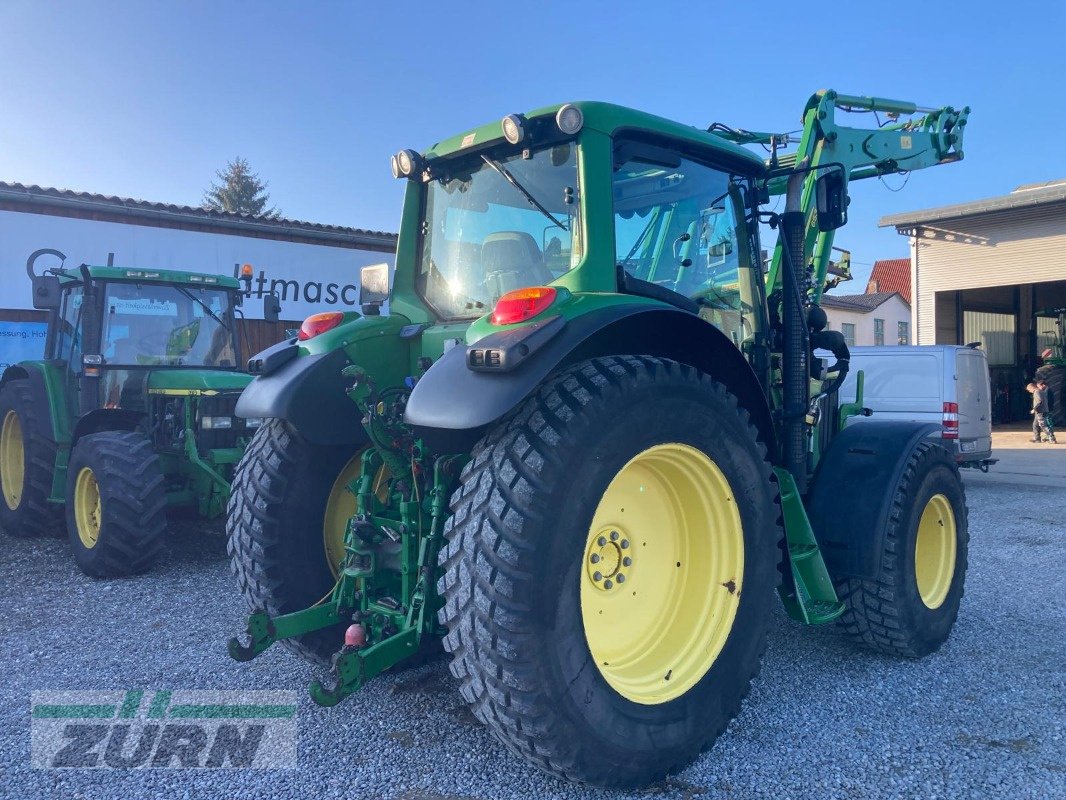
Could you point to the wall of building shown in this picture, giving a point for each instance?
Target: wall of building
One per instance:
(998, 249)
(892, 311)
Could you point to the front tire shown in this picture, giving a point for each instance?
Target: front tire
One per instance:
(116, 504)
(27, 464)
(287, 514)
(662, 456)
(909, 608)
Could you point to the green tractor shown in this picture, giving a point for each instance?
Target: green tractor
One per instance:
(1051, 334)
(593, 495)
(130, 411)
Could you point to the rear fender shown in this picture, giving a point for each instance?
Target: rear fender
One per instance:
(301, 382)
(851, 494)
(106, 419)
(49, 391)
(453, 404)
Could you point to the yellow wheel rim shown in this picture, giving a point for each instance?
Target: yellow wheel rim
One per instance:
(87, 513)
(661, 573)
(12, 460)
(340, 507)
(934, 551)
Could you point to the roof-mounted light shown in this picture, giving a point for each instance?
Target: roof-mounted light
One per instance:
(569, 119)
(408, 164)
(514, 128)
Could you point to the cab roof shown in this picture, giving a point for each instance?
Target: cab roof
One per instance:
(144, 275)
(612, 119)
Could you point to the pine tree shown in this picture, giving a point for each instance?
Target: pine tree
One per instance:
(239, 190)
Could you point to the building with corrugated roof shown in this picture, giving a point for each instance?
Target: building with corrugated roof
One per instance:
(982, 271)
(309, 266)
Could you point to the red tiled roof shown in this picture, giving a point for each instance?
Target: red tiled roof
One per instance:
(891, 275)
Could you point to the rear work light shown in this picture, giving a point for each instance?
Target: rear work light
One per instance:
(319, 323)
(951, 421)
(522, 304)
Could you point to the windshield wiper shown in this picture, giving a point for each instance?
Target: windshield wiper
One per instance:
(507, 176)
(203, 305)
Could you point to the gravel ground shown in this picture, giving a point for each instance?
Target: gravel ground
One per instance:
(983, 717)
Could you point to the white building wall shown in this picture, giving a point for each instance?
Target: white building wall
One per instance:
(1001, 249)
(892, 311)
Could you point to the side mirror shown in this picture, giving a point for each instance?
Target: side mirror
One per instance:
(373, 288)
(271, 307)
(46, 292)
(831, 196)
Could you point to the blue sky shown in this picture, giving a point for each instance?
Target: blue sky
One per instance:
(148, 99)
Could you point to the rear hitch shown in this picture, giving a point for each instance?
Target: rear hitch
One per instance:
(260, 635)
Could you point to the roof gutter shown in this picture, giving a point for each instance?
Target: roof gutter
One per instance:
(239, 227)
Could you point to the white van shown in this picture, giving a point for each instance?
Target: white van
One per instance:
(945, 384)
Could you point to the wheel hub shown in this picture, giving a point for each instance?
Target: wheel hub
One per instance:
(608, 558)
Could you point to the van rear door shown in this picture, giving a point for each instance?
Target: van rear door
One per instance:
(975, 405)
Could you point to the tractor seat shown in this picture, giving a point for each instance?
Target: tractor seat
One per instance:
(514, 258)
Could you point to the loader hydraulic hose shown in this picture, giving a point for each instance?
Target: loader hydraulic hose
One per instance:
(795, 347)
(833, 341)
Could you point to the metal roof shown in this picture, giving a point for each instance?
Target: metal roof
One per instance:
(862, 303)
(1032, 194)
(168, 214)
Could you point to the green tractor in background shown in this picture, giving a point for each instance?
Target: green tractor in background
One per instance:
(1051, 342)
(130, 411)
(592, 492)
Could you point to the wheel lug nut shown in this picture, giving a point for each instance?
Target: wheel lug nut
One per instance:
(621, 578)
(601, 541)
(627, 561)
(595, 558)
(614, 536)
(607, 584)
(625, 543)
(597, 576)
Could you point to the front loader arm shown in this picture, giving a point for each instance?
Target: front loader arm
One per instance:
(925, 141)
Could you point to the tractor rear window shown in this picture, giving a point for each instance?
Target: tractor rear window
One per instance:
(167, 325)
(499, 224)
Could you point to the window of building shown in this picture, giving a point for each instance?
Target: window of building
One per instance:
(879, 331)
(903, 333)
(848, 329)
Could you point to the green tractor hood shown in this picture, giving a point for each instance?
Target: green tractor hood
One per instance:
(197, 380)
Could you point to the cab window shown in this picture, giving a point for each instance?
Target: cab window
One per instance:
(677, 225)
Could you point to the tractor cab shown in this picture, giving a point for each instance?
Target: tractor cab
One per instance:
(122, 335)
(500, 215)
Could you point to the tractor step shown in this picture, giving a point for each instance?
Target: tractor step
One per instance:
(811, 597)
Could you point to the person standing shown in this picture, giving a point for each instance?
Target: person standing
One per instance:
(1041, 411)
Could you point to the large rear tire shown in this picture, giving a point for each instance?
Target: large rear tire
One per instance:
(909, 608)
(116, 504)
(609, 570)
(27, 464)
(288, 510)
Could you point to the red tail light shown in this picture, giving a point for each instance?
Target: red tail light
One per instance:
(319, 323)
(951, 421)
(522, 304)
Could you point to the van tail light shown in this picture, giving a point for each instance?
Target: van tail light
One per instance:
(951, 421)
(319, 323)
(522, 304)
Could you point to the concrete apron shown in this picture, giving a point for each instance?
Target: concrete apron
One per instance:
(1021, 462)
